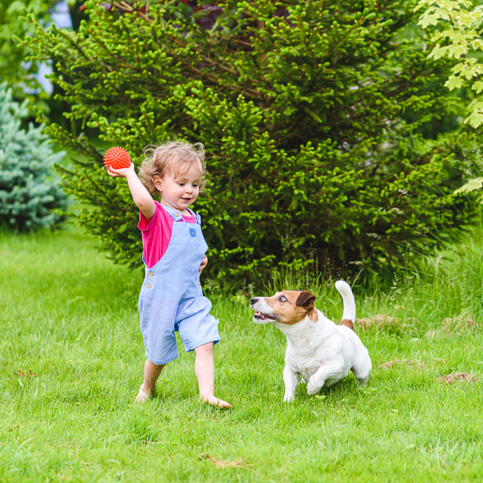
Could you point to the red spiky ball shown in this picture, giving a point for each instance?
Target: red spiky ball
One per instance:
(117, 158)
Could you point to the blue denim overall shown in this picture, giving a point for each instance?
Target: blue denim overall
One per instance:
(171, 297)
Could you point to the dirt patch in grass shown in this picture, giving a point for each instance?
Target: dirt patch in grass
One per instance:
(454, 326)
(459, 324)
(388, 322)
(378, 321)
(238, 463)
(459, 376)
(417, 363)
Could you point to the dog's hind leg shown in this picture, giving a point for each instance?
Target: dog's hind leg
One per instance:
(291, 380)
(362, 369)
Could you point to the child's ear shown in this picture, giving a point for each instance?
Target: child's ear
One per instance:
(158, 183)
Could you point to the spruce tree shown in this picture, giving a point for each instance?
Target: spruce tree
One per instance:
(30, 197)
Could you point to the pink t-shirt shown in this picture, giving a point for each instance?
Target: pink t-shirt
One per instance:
(157, 233)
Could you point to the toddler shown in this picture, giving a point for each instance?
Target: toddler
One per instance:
(174, 249)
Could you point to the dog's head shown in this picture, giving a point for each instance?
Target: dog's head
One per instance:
(288, 307)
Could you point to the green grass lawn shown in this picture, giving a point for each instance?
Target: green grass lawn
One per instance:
(71, 358)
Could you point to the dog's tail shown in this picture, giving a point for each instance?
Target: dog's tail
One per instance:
(349, 315)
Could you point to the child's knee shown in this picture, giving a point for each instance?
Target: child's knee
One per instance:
(204, 349)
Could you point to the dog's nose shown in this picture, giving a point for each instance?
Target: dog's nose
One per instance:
(254, 300)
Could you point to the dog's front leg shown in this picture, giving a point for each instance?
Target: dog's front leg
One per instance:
(291, 379)
(317, 380)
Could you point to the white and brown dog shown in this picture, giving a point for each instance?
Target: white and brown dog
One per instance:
(320, 351)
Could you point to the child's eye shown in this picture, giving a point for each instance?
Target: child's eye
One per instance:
(181, 184)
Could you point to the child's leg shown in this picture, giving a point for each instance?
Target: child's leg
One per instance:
(151, 374)
(205, 373)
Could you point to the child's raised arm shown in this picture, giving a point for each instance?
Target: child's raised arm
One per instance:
(139, 193)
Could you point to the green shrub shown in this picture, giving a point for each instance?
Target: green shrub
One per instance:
(320, 121)
(29, 195)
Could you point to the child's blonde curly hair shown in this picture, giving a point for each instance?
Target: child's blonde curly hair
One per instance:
(175, 157)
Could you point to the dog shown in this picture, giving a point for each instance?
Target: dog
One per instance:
(320, 351)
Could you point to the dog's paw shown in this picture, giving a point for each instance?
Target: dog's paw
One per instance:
(313, 387)
(362, 382)
(288, 398)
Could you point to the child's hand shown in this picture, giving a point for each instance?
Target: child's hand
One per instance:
(204, 263)
(120, 173)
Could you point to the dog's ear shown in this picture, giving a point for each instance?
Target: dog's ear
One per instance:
(306, 299)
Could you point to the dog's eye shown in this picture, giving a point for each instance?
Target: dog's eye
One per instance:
(282, 298)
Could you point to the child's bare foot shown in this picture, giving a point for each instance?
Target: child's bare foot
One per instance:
(214, 401)
(142, 395)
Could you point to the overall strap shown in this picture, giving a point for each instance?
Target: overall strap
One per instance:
(175, 214)
(196, 216)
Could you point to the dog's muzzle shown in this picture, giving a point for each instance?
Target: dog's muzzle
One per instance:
(260, 316)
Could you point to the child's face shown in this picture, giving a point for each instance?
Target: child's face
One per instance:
(180, 190)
